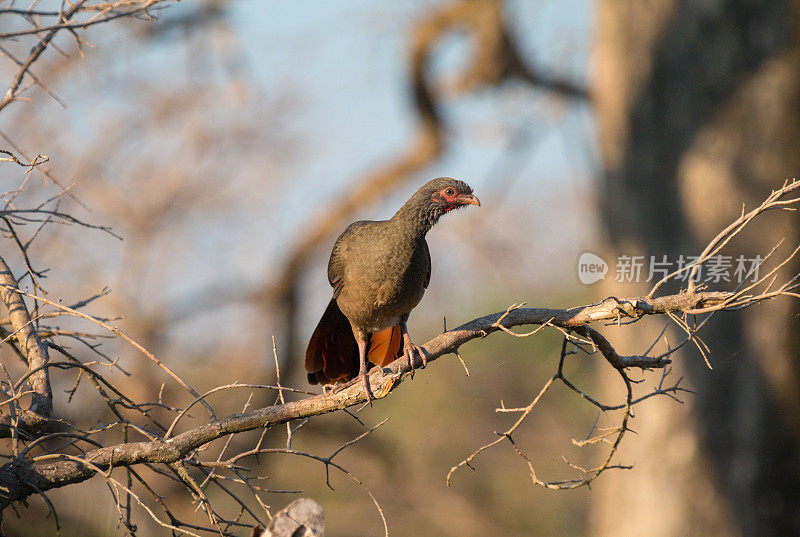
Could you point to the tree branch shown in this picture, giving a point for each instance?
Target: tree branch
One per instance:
(23, 477)
(37, 50)
(35, 353)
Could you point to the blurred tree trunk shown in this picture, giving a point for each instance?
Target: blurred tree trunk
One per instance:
(698, 108)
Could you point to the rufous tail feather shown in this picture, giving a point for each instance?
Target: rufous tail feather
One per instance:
(332, 353)
(385, 346)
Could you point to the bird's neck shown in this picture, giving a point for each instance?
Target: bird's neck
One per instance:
(415, 218)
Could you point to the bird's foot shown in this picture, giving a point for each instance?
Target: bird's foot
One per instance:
(336, 388)
(409, 351)
(367, 390)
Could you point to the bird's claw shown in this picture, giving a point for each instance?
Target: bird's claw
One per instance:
(367, 390)
(409, 351)
(336, 388)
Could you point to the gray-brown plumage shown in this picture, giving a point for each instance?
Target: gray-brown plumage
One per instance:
(379, 271)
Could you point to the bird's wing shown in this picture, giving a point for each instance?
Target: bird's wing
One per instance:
(427, 262)
(337, 262)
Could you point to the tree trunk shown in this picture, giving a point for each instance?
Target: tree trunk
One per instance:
(699, 110)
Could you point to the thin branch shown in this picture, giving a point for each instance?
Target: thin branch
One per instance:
(31, 346)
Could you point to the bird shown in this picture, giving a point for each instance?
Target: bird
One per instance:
(379, 271)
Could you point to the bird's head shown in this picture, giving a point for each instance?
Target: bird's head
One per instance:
(447, 194)
(435, 198)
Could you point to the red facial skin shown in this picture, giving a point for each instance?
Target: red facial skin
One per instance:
(454, 199)
(451, 200)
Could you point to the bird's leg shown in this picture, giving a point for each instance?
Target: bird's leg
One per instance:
(362, 371)
(409, 349)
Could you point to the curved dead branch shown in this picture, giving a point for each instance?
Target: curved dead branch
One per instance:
(20, 478)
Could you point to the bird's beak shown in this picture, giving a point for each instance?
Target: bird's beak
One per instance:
(468, 199)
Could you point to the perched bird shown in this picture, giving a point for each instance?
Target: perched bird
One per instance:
(379, 271)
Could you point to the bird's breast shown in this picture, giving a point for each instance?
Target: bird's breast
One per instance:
(379, 289)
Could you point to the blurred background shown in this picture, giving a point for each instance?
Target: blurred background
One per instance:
(229, 142)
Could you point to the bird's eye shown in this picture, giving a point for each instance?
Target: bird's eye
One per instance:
(449, 191)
